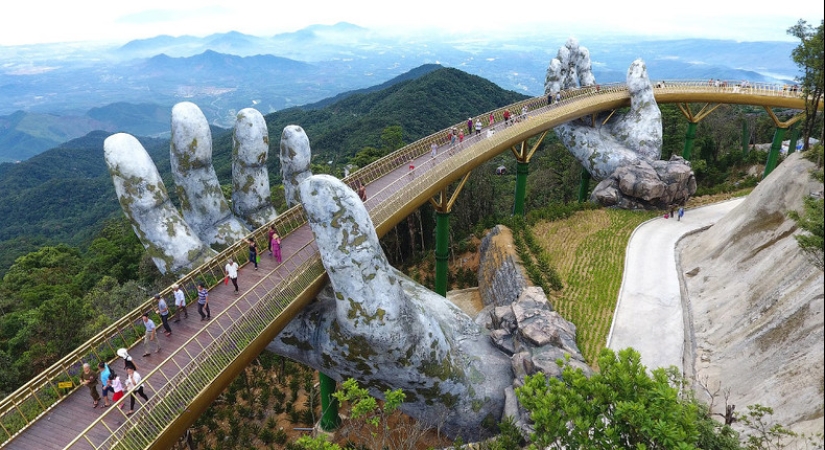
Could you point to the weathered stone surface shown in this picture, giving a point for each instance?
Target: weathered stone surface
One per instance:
(756, 303)
(378, 326)
(622, 152)
(503, 340)
(295, 161)
(250, 178)
(179, 243)
(501, 277)
(167, 238)
(202, 202)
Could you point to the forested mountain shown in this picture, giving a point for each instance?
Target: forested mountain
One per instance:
(64, 195)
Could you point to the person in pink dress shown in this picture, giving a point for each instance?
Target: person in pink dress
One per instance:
(276, 246)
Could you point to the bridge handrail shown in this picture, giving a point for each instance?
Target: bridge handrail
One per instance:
(36, 397)
(40, 394)
(175, 391)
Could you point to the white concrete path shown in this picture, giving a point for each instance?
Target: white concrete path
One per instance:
(649, 315)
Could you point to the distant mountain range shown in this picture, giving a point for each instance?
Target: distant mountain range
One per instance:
(52, 93)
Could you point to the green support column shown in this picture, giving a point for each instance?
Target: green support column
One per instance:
(584, 185)
(522, 169)
(691, 133)
(745, 137)
(794, 139)
(329, 404)
(773, 156)
(442, 241)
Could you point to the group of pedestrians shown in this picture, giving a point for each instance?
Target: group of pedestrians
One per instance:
(111, 383)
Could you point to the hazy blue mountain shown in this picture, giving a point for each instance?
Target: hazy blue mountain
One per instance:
(226, 72)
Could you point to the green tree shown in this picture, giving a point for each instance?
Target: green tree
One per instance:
(811, 221)
(809, 56)
(369, 419)
(621, 406)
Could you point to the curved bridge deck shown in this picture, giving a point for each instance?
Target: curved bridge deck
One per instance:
(201, 358)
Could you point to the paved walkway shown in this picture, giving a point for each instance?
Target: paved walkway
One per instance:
(649, 315)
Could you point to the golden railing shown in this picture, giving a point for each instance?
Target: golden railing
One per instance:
(388, 206)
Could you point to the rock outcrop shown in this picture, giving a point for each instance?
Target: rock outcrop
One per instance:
(756, 304)
(520, 318)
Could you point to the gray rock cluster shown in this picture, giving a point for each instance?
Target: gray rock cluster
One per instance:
(627, 146)
(521, 320)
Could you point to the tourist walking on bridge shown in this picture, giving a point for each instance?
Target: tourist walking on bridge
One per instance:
(276, 238)
(150, 337)
(132, 380)
(253, 252)
(231, 270)
(269, 234)
(163, 312)
(203, 302)
(180, 302)
(469, 125)
(89, 378)
(106, 387)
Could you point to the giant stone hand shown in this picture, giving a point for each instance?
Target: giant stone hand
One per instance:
(176, 242)
(376, 325)
(623, 154)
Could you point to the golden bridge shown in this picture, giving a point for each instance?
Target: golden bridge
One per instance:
(200, 359)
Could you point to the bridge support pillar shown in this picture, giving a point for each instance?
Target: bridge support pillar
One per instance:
(584, 185)
(745, 137)
(329, 404)
(794, 139)
(773, 155)
(442, 252)
(689, 136)
(522, 169)
(443, 204)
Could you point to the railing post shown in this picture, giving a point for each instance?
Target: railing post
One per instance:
(522, 169)
(329, 404)
(442, 239)
(773, 155)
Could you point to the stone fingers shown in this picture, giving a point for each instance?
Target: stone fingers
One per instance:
(202, 202)
(369, 292)
(250, 178)
(295, 159)
(641, 128)
(171, 243)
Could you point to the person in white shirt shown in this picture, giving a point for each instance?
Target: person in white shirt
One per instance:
(180, 303)
(231, 270)
(132, 380)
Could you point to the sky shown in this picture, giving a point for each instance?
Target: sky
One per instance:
(29, 22)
